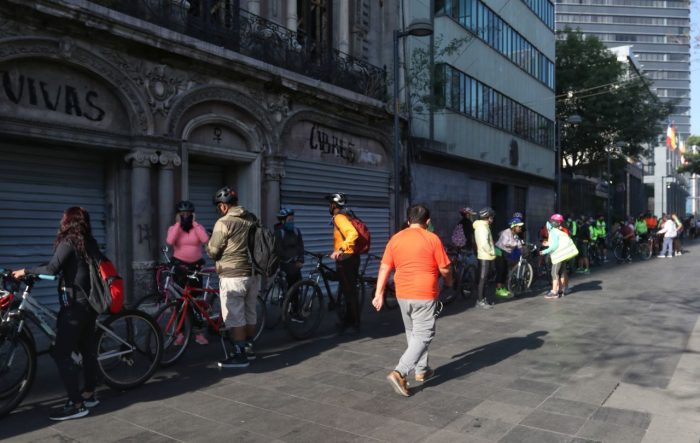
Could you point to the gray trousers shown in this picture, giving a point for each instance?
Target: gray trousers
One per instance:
(419, 322)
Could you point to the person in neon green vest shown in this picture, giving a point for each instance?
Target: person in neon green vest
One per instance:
(560, 249)
(601, 235)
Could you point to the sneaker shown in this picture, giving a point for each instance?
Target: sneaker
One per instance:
(70, 411)
(586, 271)
(482, 304)
(249, 352)
(201, 339)
(502, 292)
(238, 360)
(398, 382)
(551, 295)
(567, 291)
(423, 376)
(180, 339)
(91, 401)
(661, 256)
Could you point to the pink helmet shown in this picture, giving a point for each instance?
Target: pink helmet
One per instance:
(557, 218)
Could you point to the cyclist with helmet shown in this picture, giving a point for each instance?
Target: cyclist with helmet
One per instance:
(347, 262)
(463, 232)
(186, 238)
(486, 253)
(290, 246)
(561, 249)
(584, 241)
(510, 245)
(601, 234)
(238, 286)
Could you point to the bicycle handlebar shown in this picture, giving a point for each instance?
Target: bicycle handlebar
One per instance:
(7, 273)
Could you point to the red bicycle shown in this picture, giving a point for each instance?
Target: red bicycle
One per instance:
(177, 309)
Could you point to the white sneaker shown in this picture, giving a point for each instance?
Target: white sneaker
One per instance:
(661, 256)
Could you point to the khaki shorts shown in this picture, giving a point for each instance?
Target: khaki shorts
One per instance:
(238, 300)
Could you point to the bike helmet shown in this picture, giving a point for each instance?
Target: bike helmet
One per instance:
(518, 215)
(467, 211)
(285, 212)
(557, 218)
(486, 212)
(515, 221)
(184, 206)
(337, 198)
(225, 195)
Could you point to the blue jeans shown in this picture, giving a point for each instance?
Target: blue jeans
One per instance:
(667, 247)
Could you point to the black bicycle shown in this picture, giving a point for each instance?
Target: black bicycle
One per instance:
(129, 344)
(367, 285)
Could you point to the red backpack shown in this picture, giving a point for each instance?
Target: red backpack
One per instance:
(363, 236)
(106, 286)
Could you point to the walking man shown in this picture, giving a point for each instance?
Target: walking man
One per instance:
(418, 257)
(238, 287)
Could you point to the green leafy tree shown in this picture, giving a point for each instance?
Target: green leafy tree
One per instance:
(692, 161)
(617, 109)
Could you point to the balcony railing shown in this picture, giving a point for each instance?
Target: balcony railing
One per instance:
(223, 23)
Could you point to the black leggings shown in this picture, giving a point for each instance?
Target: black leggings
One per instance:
(348, 270)
(485, 267)
(75, 331)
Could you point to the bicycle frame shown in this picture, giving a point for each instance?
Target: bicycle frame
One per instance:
(320, 272)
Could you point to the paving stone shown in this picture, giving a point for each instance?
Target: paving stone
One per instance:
(564, 424)
(400, 431)
(537, 387)
(568, 407)
(520, 398)
(479, 427)
(522, 434)
(623, 417)
(502, 411)
(608, 432)
(445, 436)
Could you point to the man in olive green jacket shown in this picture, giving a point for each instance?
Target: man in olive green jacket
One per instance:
(238, 286)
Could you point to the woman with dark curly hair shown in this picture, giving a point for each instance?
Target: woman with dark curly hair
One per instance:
(75, 328)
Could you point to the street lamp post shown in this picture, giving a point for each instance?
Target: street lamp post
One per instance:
(573, 119)
(663, 193)
(418, 28)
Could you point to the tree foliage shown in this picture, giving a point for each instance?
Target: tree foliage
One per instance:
(616, 108)
(692, 160)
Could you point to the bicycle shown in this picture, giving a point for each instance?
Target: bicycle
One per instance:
(364, 282)
(520, 276)
(194, 305)
(466, 275)
(129, 344)
(273, 298)
(641, 249)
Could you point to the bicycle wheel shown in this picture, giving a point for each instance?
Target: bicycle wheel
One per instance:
(176, 327)
(302, 309)
(274, 297)
(261, 317)
(129, 349)
(644, 251)
(617, 251)
(17, 370)
(519, 278)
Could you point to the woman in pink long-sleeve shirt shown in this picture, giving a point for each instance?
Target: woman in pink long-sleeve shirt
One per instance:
(187, 237)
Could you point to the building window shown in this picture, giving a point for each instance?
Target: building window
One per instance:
(470, 97)
(485, 24)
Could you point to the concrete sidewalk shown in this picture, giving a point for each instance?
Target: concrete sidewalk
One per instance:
(616, 361)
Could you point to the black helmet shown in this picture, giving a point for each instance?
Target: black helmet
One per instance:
(184, 206)
(486, 212)
(285, 212)
(337, 198)
(225, 195)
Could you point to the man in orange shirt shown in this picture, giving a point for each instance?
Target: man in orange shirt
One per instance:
(347, 261)
(419, 259)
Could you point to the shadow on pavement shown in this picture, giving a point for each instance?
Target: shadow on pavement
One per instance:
(483, 356)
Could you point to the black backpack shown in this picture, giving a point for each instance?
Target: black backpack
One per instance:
(262, 250)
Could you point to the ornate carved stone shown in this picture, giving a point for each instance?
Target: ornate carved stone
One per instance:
(66, 46)
(274, 168)
(169, 160)
(9, 28)
(142, 158)
(158, 82)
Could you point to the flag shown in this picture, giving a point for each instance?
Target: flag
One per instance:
(681, 146)
(671, 136)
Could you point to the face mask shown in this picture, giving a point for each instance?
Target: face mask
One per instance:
(186, 222)
(289, 226)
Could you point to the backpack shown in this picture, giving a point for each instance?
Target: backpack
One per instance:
(262, 250)
(458, 238)
(106, 286)
(363, 236)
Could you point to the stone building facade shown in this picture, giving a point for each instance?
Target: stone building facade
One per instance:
(126, 110)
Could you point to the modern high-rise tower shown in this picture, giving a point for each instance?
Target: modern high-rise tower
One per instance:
(657, 30)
